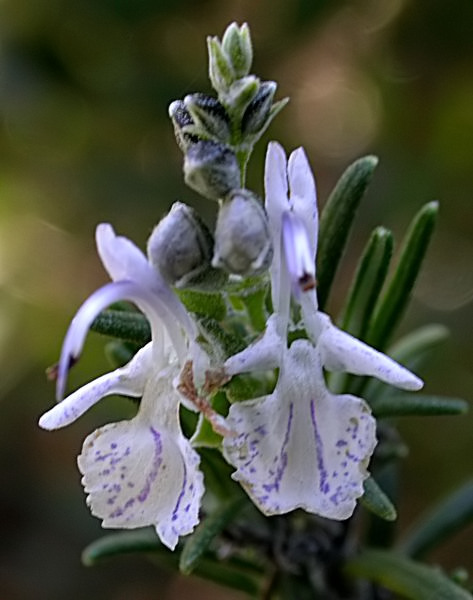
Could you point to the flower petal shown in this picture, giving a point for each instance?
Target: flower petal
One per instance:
(276, 203)
(264, 354)
(303, 197)
(123, 260)
(342, 352)
(297, 252)
(128, 380)
(95, 303)
(302, 447)
(120, 257)
(143, 471)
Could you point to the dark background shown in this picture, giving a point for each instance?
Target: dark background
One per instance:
(84, 138)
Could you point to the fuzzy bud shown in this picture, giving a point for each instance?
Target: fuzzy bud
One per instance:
(242, 239)
(221, 71)
(236, 43)
(209, 115)
(181, 248)
(256, 115)
(183, 124)
(211, 169)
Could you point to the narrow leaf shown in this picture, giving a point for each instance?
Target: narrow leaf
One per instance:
(376, 501)
(145, 541)
(127, 542)
(396, 298)
(367, 283)
(336, 221)
(123, 324)
(441, 522)
(411, 580)
(404, 404)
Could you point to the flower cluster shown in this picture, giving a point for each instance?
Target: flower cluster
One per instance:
(300, 446)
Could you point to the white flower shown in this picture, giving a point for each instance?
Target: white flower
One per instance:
(142, 471)
(303, 446)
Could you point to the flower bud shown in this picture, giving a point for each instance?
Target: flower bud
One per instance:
(181, 248)
(256, 115)
(183, 124)
(211, 169)
(221, 72)
(236, 43)
(242, 239)
(241, 93)
(208, 114)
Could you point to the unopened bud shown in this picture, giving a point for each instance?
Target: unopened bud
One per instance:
(236, 43)
(256, 115)
(181, 248)
(221, 72)
(183, 124)
(209, 115)
(211, 169)
(241, 93)
(242, 239)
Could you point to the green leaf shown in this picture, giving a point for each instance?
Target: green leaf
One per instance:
(204, 304)
(391, 307)
(368, 281)
(123, 324)
(376, 501)
(405, 404)
(411, 580)
(208, 529)
(127, 542)
(336, 221)
(441, 522)
(145, 541)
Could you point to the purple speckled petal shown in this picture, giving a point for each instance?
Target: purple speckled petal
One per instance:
(342, 352)
(136, 476)
(302, 447)
(143, 471)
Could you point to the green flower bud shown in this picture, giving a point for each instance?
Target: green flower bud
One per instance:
(181, 248)
(242, 238)
(211, 169)
(183, 124)
(221, 72)
(236, 43)
(208, 114)
(241, 93)
(256, 115)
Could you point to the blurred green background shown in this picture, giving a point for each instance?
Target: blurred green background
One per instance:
(85, 138)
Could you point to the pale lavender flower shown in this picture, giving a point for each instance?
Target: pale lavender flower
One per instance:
(303, 446)
(142, 471)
